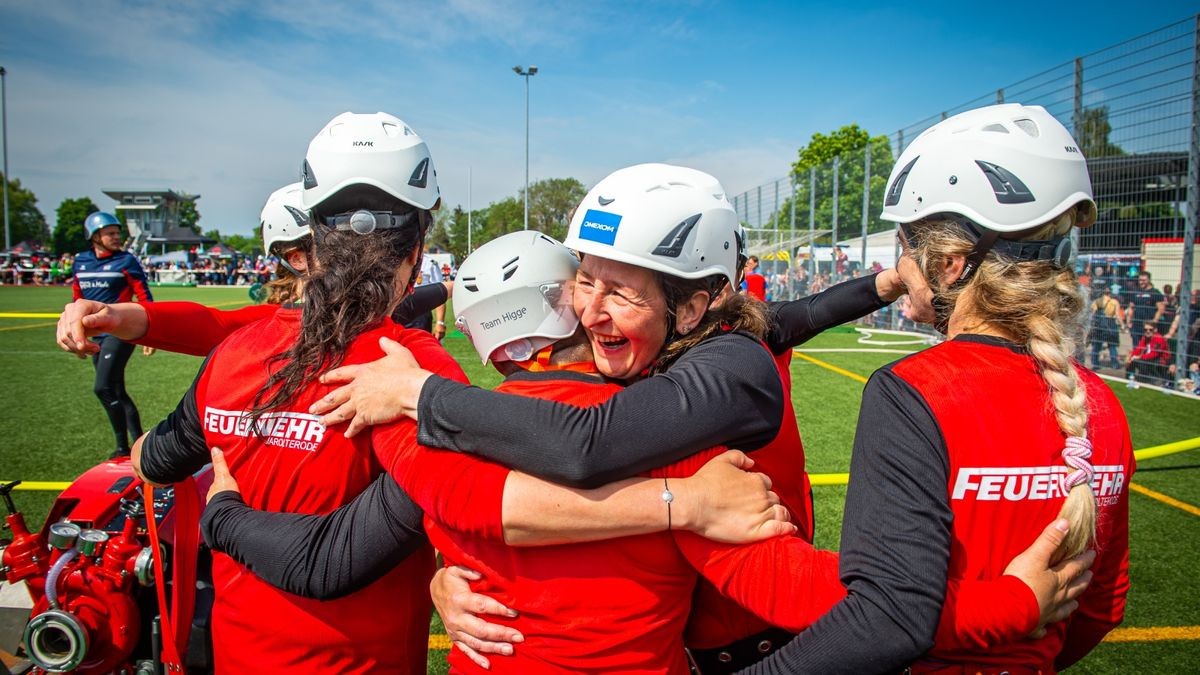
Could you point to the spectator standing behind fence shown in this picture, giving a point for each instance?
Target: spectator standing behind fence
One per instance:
(1107, 318)
(1170, 308)
(108, 273)
(754, 284)
(1146, 305)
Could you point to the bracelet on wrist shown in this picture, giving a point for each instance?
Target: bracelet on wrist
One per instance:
(668, 497)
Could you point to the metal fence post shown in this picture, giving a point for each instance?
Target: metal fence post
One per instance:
(1077, 127)
(760, 218)
(1189, 223)
(812, 225)
(1000, 95)
(833, 273)
(866, 200)
(792, 240)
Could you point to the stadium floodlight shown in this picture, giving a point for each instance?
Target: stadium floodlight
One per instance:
(4, 132)
(526, 74)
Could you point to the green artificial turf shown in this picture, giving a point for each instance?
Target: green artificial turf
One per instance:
(53, 429)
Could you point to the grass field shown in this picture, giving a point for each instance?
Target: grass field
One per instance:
(53, 429)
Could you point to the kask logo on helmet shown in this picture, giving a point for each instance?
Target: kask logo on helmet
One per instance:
(600, 226)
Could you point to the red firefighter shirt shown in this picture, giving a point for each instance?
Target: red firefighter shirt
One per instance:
(716, 620)
(287, 461)
(621, 604)
(957, 467)
(1004, 487)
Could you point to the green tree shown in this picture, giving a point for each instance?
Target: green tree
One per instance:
(502, 217)
(551, 203)
(849, 145)
(243, 244)
(821, 149)
(552, 200)
(438, 235)
(213, 234)
(1092, 132)
(69, 235)
(25, 221)
(189, 216)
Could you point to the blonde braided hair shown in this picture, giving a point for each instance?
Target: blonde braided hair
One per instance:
(1040, 307)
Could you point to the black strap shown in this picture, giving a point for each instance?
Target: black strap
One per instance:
(738, 655)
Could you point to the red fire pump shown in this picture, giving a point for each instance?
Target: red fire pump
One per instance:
(96, 577)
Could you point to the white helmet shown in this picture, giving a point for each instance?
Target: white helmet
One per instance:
(370, 149)
(511, 296)
(284, 218)
(1008, 168)
(669, 219)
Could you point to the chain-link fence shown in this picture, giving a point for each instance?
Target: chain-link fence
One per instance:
(1134, 109)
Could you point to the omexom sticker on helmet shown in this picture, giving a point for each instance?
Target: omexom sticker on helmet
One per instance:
(600, 226)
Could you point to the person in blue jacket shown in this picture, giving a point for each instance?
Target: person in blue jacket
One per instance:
(108, 273)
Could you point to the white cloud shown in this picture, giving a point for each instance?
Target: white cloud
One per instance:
(122, 96)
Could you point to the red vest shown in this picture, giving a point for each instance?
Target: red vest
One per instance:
(295, 464)
(716, 620)
(1006, 477)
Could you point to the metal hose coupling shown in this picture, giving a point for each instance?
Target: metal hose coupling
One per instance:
(55, 641)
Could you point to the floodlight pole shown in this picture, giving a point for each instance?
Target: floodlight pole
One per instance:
(526, 74)
(4, 125)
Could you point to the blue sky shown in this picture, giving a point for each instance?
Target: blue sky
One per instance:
(221, 97)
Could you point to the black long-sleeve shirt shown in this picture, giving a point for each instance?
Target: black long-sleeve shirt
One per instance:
(322, 557)
(727, 388)
(795, 322)
(718, 386)
(895, 543)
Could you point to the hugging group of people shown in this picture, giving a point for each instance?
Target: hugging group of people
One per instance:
(632, 498)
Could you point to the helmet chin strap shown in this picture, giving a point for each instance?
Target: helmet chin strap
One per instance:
(1059, 251)
(984, 240)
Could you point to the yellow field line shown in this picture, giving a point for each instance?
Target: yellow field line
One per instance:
(32, 325)
(1166, 499)
(438, 641)
(47, 485)
(55, 315)
(1154, 634)
(829, 366)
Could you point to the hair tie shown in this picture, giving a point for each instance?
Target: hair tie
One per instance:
(1078, 455)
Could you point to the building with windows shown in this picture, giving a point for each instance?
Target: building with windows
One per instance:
(149, 213)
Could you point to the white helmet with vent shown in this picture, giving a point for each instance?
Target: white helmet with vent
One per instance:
(284, 218)
(512, 296)
(1008, 168)
(375, 149)
(665, 218)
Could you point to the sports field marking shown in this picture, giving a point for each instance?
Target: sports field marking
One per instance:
(829, 366)
(910, 338)
(55, 315)
(438, 641)
(32, 325)
(1165, 499)
(1153, 634)
(835, 350)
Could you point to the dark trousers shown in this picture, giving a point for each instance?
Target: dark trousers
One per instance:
(1148, 371)
(110, 389)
